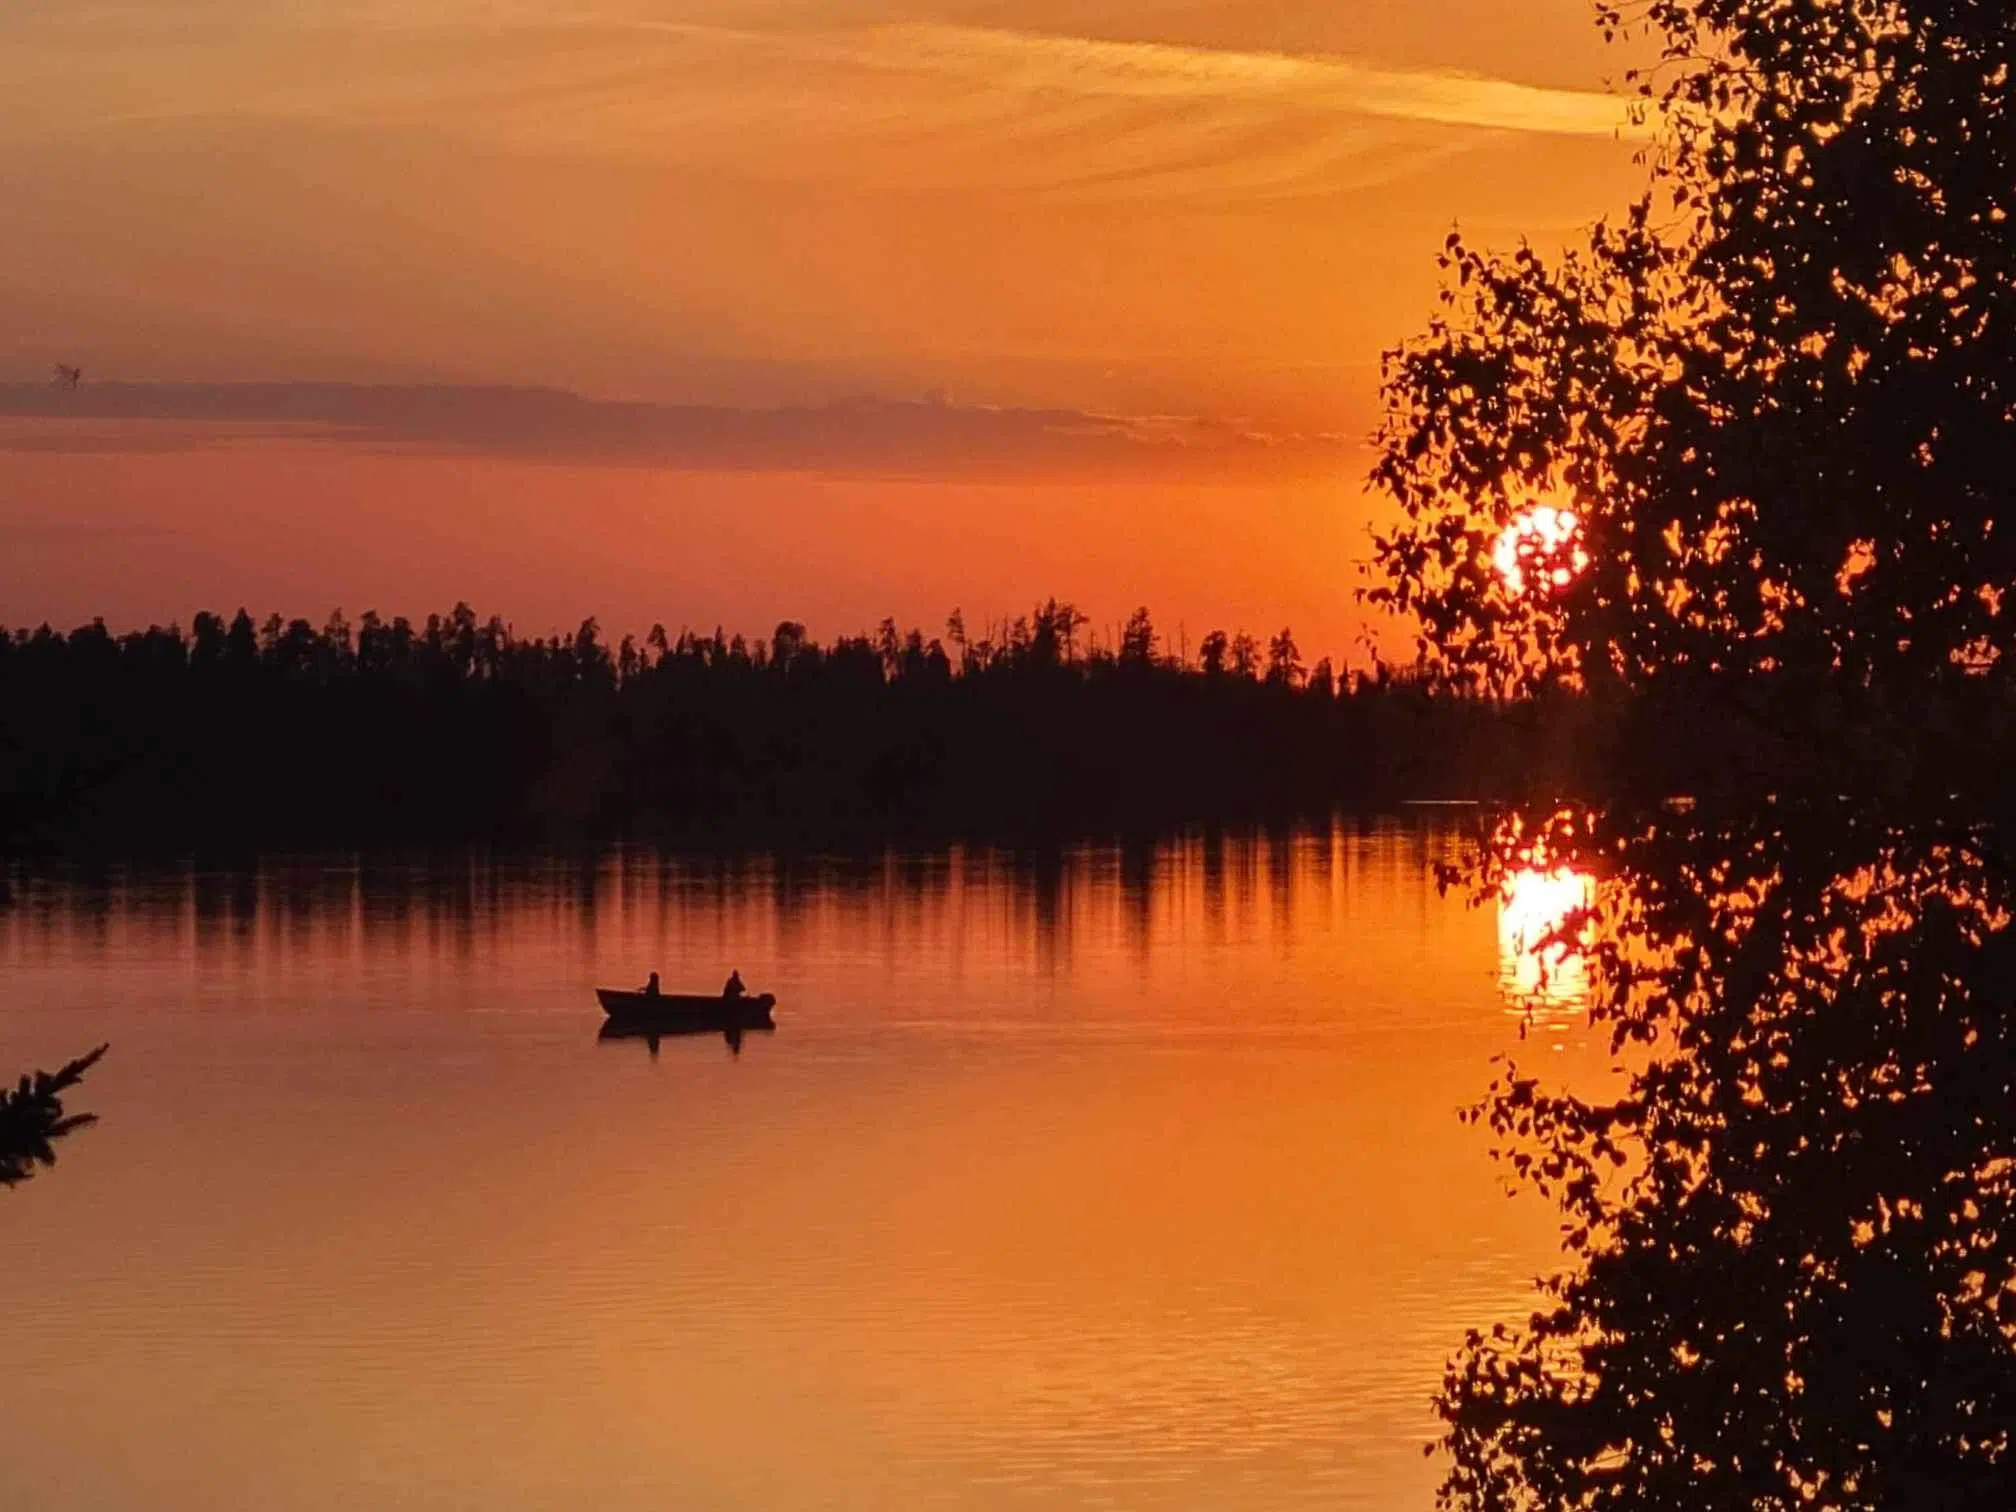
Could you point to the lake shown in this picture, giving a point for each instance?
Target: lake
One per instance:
(1116, 1176)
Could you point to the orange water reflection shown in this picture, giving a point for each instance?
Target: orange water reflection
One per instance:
(1123, 1176)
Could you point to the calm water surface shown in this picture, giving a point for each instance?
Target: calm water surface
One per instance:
(1120, 1178)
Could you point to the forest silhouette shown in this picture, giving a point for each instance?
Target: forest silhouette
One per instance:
(456, 729)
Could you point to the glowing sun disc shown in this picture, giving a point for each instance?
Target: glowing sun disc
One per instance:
(1542, 547)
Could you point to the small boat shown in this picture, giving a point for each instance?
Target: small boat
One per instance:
(672, 1012)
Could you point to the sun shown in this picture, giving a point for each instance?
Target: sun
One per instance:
(1541, 549)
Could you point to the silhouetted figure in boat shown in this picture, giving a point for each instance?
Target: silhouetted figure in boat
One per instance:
(651, 987)
(734, 991)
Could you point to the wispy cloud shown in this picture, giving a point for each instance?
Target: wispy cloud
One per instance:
(1035, 65)
(859, 438)
(909, 105)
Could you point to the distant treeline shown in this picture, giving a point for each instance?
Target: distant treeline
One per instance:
(240, 734)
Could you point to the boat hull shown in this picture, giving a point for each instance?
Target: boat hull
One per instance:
(671, 1013)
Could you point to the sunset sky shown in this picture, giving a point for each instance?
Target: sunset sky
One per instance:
(1179, 232)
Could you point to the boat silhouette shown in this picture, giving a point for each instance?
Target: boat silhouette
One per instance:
(681, 1013)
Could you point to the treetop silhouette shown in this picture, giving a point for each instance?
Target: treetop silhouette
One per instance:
(1778, 392)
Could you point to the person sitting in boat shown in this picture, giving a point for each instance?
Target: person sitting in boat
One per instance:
(651, 987)
(734, 989)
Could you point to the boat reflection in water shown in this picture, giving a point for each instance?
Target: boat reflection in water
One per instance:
(653, 1033)
(1536, 968)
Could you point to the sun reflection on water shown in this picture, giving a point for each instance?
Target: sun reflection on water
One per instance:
(1535, 969)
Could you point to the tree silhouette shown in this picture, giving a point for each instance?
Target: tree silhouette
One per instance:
(1137, 641)
(32, 1118)
(1213, 653)
(1746, 458)
(1284, 661)
(1245, 656)
(1777, 395)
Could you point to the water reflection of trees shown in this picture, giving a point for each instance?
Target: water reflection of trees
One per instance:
(1792, 1248)
(1053, 906)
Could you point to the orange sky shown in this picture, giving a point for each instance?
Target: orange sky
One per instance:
(1135, 209)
